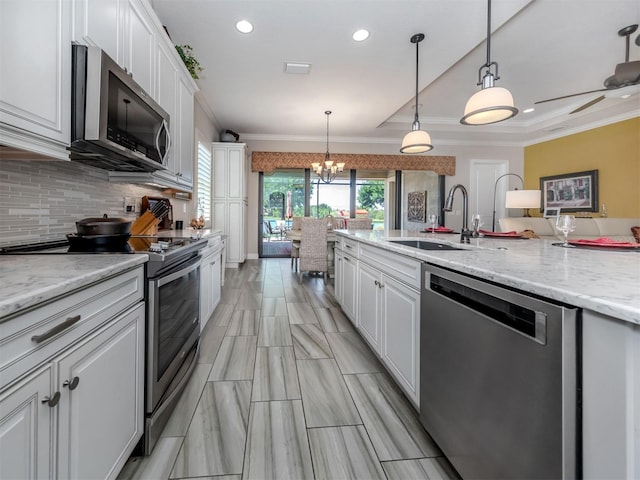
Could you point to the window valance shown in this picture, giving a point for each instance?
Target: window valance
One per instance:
(269, 161)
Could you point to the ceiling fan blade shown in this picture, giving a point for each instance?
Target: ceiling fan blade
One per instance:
(572, 95)
(588, 104)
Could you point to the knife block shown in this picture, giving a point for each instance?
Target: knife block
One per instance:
(148, 203)
(146, 224)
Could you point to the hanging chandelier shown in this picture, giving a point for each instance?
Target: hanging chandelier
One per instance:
(327, 170)
(491, 104)
(416, 141)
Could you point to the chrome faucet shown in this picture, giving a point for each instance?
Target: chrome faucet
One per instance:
(465, 234)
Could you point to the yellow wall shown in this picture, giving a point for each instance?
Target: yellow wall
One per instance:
(613, 150)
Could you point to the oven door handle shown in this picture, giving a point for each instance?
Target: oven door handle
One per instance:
(180, 273)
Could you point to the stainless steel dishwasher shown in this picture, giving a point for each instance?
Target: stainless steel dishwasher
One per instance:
(498, 378)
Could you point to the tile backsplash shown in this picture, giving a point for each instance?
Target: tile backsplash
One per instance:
(42, 200)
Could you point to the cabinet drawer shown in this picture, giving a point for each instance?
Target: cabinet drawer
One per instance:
(350, 247)
(398, 266)
(35, 336)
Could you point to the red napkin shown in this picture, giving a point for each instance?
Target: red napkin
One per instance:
(513, 232)
(603, 241)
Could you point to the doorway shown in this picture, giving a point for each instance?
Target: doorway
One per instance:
(281, 198)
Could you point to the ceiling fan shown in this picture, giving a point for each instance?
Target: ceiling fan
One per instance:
(626, 74)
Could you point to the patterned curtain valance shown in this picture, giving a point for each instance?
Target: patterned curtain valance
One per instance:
(269, 161)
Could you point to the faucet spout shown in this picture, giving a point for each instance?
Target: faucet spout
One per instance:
(448, 206)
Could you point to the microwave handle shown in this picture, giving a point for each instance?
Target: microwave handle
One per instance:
(165, 127)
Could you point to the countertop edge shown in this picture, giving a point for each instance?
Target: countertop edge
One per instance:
(29, 298)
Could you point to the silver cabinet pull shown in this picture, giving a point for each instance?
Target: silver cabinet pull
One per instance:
(55, 330)
(72, 384)
(53, 401)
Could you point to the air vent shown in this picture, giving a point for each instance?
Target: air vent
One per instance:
(297, 67)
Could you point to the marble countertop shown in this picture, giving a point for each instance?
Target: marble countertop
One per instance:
(607, 282)
(28, 280)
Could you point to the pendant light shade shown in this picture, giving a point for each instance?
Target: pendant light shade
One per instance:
(491, 104)
(416, 141)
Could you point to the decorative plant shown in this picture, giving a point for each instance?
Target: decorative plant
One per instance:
(186, 53)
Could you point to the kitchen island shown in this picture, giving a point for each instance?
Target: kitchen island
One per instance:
(378, 285)
(607, 282)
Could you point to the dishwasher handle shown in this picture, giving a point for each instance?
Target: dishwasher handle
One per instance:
(524, 320)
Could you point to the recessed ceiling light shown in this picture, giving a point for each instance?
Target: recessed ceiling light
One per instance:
(528, 110)
(626, 95)
(243, 26)
(361, 35)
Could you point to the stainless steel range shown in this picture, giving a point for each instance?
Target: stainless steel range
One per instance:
(173, 316)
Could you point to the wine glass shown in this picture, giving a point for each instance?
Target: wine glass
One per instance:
(566, 224)
(433, 220)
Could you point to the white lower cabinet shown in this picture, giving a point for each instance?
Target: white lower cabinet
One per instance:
(400, 335)
(349, 291)
(337, 282)
(71, 397)
(610, 397)
(100, 385)
(369, 309)
(210, 283)
(380, 292)
(27, 427)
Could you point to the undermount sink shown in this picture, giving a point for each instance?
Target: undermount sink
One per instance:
(426, 245)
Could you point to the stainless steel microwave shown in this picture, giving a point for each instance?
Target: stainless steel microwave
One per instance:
(115, 124)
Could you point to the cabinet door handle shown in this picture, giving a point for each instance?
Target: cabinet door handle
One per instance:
(375, 282)
(348, 246)
(53, 401)
(55, 330)
(347, 259)
(72, 384)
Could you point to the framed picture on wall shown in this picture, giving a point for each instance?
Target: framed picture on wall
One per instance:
(417, 207)
(571, 192)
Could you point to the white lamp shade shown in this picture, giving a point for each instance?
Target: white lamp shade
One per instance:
(489, 105)
(416, 141)
(523, 199)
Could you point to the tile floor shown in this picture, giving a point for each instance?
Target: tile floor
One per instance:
(285, 388)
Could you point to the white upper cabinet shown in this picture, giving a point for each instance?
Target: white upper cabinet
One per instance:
(100, 24)
(35, 61)
(140, 45)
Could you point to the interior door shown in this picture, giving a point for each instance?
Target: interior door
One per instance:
(482, 180)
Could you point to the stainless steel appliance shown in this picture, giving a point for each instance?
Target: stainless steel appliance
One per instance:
(173, 313)
(115, 124)
(173, 316)
(498, 378)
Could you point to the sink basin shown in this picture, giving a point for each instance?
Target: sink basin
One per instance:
(426, 245)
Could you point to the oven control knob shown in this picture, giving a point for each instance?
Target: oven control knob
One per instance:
(164, 245)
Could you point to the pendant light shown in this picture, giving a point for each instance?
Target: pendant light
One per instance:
(327, 171)
(416, 141)
(491, 104)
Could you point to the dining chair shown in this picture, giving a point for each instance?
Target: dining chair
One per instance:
(359, 223)
(313, 247)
